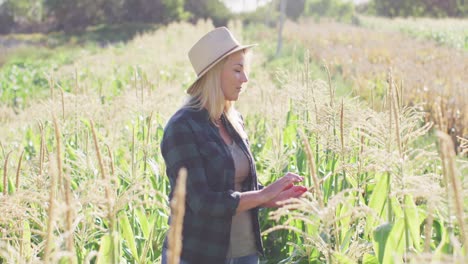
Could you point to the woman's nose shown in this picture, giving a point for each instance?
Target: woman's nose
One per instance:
(244, 77)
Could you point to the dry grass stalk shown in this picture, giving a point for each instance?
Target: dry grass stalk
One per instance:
(135, 69)
(50, 212)
(463, 145)
(401, 102)
(396, 94)
(133, 151)
(18, 170)
(63, 103)
(110, 205)
(386, 103)
(67, 187)
(310, 158)
(447, 153)
(177, 219)
(70, 243)
(142, 86)
(5, 174)
(41, 149)
(148, 136)
(342, 127)
(147, 140)
(51, 86)
(308, 86)
(3, 149)
(103, 171)
(59, 150)
(332, 91)
(112, 166)
(305, 75)
(394, 108)
(75, 89)
(75, 74)
(440, 120)
(86, 148)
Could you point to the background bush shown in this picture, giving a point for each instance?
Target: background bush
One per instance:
(72, 15)
(418, 8)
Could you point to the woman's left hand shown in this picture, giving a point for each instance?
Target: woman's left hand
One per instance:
(292, 191)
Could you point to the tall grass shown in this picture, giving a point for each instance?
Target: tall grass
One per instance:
(96, 191)
(377, 188)
(362, 56)
(177, 218)
(449, 31)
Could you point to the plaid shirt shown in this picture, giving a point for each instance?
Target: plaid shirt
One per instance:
(191, 140)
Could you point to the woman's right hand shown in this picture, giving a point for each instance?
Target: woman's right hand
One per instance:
(283, 183)
(293, 192)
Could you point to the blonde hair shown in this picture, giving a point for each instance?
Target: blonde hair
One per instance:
(207, 93)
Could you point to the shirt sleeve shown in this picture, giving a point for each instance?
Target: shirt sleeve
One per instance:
(179, 150)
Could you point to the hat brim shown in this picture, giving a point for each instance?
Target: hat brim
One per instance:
(202, 73)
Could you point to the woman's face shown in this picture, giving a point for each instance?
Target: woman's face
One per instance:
(233, 76)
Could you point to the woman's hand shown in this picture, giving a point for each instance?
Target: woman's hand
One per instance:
(284, 183)
(292, 192)
(280, 190)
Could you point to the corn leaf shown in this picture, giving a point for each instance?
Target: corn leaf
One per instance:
(127, 233)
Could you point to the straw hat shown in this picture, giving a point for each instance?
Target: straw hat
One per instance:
(212, 48)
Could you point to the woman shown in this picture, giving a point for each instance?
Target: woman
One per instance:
(207, 137)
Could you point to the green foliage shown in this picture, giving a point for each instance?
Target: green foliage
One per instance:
(351, 177)
(99, 35)
(418, 8)
(24, 77)
(21, 81)
(71, 15)
(151, 11)
(6, 18)
(76, 15)
(267, 15)
(174, 10)
(338, 9)
(27, 10)
(208, 9)
(106, 250)
(142, 11)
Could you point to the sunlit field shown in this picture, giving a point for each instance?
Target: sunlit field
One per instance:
(448, 32)
(424, 72)
(373, 119)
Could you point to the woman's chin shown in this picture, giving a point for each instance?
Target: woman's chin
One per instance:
(233, 98)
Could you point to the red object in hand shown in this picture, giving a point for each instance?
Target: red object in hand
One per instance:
(300, 189)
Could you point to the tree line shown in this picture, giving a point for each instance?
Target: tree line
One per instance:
(70, 15)
(419, 8)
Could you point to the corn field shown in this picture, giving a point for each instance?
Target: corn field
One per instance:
(83, 180)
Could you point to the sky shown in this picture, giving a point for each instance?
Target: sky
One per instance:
(244, 5)
(250, 5)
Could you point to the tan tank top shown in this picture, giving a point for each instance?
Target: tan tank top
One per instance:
(242, 241)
